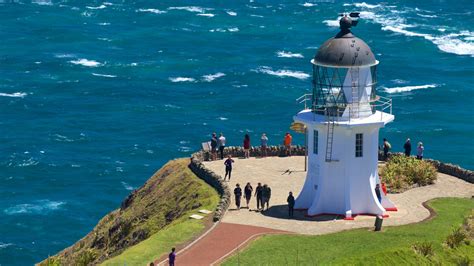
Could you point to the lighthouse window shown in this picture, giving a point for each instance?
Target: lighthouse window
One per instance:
(359, 143)
(315, 142)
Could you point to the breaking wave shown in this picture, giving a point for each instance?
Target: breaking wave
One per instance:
(14, 95)
(103, 75)
(209, 15)
(182, 79)
(409, 88)
(212, 77)
(151, 10)
(289, 54)
(195, 9)
(283, 73)
(38, 207)
(86, 62)
(127, 186)
(232, 13)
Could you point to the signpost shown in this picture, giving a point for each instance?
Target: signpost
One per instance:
(301, 128)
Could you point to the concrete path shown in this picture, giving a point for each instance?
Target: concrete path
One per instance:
(287, 174)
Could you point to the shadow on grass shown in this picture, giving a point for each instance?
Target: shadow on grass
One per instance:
(281, 212)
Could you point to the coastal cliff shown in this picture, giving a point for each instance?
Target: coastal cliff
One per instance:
(171, 193)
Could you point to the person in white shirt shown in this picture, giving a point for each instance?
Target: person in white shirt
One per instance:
(221, 145)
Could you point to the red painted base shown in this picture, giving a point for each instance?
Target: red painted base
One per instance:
(394, 209)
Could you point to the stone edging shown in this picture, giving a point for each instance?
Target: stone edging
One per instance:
(214, 180)
(446, 168)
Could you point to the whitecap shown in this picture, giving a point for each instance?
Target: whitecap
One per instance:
(449, 44)
(232, 13)
(427, 16)
(5, 245)
(365, 5)
(283, 73)
(399, 81)
(37, 207)
(409, 88)
(182, 79)
(332, 23)
(28, 162)
(212, 77)
(14, 95)
(195, 9)
(289, 54)
(103, 75)
(151, 10)
(184, 149)
(233, 29)
(308, 4)
(86, 62)
(96, 7)
(172, 106)
(210, 15)
(118, 169)
(103, 24)
(64, 55)
(127, 186)
(43, 2)
(223, 118)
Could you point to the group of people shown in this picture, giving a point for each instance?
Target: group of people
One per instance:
(218, 145)
(262, 195)
(406, 147)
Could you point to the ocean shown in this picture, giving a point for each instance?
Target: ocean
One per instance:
(96, 96)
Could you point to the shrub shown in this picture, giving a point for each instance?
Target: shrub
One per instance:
(401, 172)
(463, 261)
(456, 238)
(423, 248)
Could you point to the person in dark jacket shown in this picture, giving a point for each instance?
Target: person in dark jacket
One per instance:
(248, 193)
(172, 257)
(228, 166)
(258, 195)
(213, 147)
(377, 192)
(386, 148)
(238, 195)
(291, 204)
(267, 193)
(407, 148)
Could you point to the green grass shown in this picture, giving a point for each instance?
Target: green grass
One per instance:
(158, 244)
(393, 246)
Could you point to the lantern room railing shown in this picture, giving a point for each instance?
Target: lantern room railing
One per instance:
(380, 103)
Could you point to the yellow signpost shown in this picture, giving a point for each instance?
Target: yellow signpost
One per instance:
(301, 128)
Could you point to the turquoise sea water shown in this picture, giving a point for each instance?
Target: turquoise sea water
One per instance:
(96, 96)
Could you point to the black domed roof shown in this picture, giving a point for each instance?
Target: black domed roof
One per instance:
(344, 50)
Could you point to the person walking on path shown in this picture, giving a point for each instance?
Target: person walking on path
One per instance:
(238, 195)
(386, 148)
(407, 148)
(172, 256)
(419, 151)
(228, 166)
(267, 193)
(258, 194)
(264, 144)
(287, 142)
(248, 193)
(291, 204)
(377, 192)
(221, 145)
(246, 146)
(213, 147)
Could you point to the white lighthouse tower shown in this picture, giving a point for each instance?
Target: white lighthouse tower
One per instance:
(343, 116)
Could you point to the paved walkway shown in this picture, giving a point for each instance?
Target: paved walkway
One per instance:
(223, 240)
(273, 171)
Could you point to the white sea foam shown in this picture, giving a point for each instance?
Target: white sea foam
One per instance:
(223, 118)
(5, 245)
(62, 138)
(182, 79)
(283, 73)
(427, 16)
(96, 7)
(210, 15)
(409, 88)
(151, 10)
(365, 5)
(308, 4)
(127, 186)
(37, 207)
(14, 95)
(233, 29)
(28, 162)
(195, 9)
(332, 23)
(172, 106)
(64, 55)
(104, 75)
(212, 77)
(224, 30)
(232, 13)
(43, 2)
(289, 54)
(86, 62)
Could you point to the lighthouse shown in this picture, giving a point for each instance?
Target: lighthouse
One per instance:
(343, 116)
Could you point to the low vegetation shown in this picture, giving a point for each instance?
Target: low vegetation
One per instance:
(154, 213)
(422, 243)
(401, 173)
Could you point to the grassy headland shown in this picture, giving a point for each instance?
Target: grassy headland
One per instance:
(150, 220)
